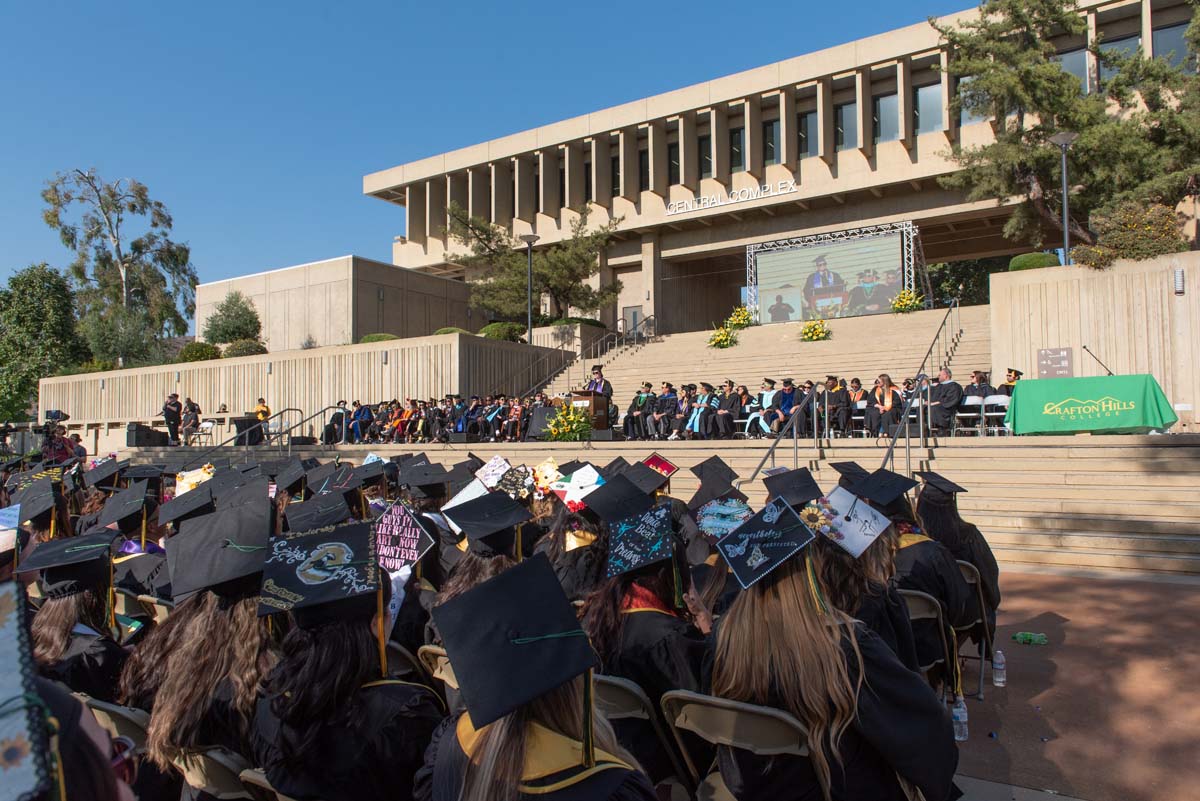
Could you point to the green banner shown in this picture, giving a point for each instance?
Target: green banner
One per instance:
(1118, 404)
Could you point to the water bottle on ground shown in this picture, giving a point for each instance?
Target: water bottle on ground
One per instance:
(959, 715)
(999, 669)
(1030, 638)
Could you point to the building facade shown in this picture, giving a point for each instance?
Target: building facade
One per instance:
(852, 136)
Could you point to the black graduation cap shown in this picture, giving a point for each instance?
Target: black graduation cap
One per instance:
(645, 477)
(12, 464)
(124, 508)
(289, 475)
(399, 458)
(939, 482)
(371, 471)
(424, 480)
(103, 472)
(473, 461)
(614, 468)
(618, 498)
(255, 490)
(190, 504)
(35, 499)
(218, 548)
(570, 467)
(144, 472)
(714, 469)
(512, 639)
(225, 480)
(250, 469)
(797, 487)
(71, 565)
(343, 481)
(883, 486)
(272, 468)
(458, 477)
(851, 473)
(641, 539)
(323, 510)
(321, 472)
(714, 490)
(764, 542)
(489, 522)
(311, 463)
(18, 481)
(324, 576)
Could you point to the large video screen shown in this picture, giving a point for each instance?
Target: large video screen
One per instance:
(833, 279)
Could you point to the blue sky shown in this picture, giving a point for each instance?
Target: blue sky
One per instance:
(255, 121)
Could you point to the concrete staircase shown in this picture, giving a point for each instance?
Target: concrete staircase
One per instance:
(860, 347)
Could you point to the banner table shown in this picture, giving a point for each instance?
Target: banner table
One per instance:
(1117, 404)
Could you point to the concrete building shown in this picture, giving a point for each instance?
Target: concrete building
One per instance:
(851, 136)
(339, 301)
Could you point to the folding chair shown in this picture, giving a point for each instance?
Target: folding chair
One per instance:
(215, 771)
(922, 606)
(621, 699)
(161, 608)
(401, 662)
(970, 411)
(121, 721)
(858, 419)
(128, 604)
(437, 664)
(995, 409)
(205, 433)
(757, 729)
(257, 784)
(970, 574)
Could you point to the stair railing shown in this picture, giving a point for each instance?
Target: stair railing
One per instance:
(261, 425)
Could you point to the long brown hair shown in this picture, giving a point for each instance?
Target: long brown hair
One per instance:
(54, 621)
(226, 641)
(471, 571)
(494, 771)
(781, 644)
(143, 673)
(602, 618)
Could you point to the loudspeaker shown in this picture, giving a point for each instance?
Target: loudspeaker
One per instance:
(914, 430)
(539, 420)
(462, 436)
(602, 435)
(304, 440)
(142, 436)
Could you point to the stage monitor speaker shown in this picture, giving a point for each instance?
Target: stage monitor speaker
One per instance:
(602, 435)
(539, 420)
(462, 436)
(914, 430)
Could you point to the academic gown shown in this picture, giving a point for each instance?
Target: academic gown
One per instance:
(928, 566)
(373, 757)
(839, 408)
(974, 548)
(884, 612)
(91, 664)
(901, 728)
(579, 570)
(876, 421)
(949, 395)
(724, 423)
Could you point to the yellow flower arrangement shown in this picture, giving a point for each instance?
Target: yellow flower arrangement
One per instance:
(907, 301)
(815, 331)
(722, 337)
(571, 424)
(739, 319)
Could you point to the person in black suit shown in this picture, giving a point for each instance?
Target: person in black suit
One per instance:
(944, 399)
(729, 408)
(172, 412)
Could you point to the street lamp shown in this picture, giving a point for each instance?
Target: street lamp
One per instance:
(1064, 139)
(529, 239)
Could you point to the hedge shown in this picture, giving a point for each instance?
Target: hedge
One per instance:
(579, 321)
(452, 330)
(198, 352)
(243, 347)
(369, 338)
(1032, 261)
(508, 331)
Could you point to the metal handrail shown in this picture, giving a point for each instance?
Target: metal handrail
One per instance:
(237, 434)
(615, 339)
(318, 413)
(556, 353)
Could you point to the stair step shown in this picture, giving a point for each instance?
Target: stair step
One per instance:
(1155, 561)
(1091, 541)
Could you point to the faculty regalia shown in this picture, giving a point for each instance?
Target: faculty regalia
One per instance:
(876, 420)
(949, 395)
(637, 416)
(901, 729)
(927, 566)
(838, 415)
(723, 424)
(666, 405)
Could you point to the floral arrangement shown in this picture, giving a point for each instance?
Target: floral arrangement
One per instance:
(739, 319)
(571, 424)
(907, 301)
(815, 331)
(722, 337)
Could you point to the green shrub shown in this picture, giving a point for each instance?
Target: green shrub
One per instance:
(93, 366)
(1032, 261)
(511, 332)
(1132, 231)
(369, 338)
(198, 352)
(452, 330)
(244, 347)
(578, 321)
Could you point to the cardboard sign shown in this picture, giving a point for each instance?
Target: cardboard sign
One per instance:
(400, 539)
(639, 541)
(10, 521)
(491, 472)
(828, 516)
(661, 464)
(764, 542)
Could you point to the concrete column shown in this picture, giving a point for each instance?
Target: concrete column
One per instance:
(414, 213)
(652, 277)
(866, 117)
(628, 150)
(904, 94)
(826, 121)
(949, 87)
(602, 171)
(1147, 30)
(789, 129)
(527, 193)
(501, 187)
(752, 135)
(456, 188)
(550, 202)
(573, 158)
(435, 209)
(689, 161)
(719, 131)
(479, 192)
(658, 157)
(1093, 66)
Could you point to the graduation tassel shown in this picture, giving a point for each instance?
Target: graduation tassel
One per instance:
(678, 581)
(112, 600)
(379, 632)
(366, 507)
(589, 714)
(520, 528)
(53, 520)
(143, 528)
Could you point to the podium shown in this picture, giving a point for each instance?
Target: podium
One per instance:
(596, 405)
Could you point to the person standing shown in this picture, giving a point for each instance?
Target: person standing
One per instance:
(172, 412)
(80, 451)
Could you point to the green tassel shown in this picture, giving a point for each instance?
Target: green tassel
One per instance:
(589, 713)
(678, 583)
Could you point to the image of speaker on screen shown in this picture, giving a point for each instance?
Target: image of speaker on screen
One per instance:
(870, 296)
(824, 292)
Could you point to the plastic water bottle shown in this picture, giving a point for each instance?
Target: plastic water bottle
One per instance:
(959, 715)
(999, 671)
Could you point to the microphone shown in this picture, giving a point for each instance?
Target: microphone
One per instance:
(1097, 358)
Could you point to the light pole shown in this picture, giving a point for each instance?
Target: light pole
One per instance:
(1064, 139)
(529, 239)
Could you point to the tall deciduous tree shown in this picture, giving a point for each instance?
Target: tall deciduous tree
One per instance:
(560, 270)
(234, 318)
(1133, 145)
(134, 283)
(37, 335)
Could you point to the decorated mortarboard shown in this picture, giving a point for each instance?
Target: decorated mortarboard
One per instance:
(190, 504)
(640, 539)
(188, 480)
(218, 548)
(618, 498)
(323, 510)
(71, 565)
(489, 521)
(474, 489)
(104, 472)
(290, 475)
(321, 472)
(255, 490)
(797, 487)
(939, 483)
(25, 744)
(512, 639)
(329, 575)
(343, 481)
(125, 507)
(516, 483)
(716, 483)
(765, 541)
(19, 481)
(567, 468)
(10, 526)
(645, 477)
(546, 474)
(851, 472)
(573, 489)
(724, 514)
(491, 472)
(846, 520)
(35, 499)
(400, 539)
(883, 487)
(661, 465)
(614, 468)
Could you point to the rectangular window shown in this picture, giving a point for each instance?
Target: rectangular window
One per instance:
(737, 152)
(771, 142)
(966, 116)
(537, 188)
(810, 140)
(845, 120)
(1075, 62)
(1122, 47)
(587, 182)
(616, 176)
(927, 108)
(562, 187)
(886, 118)
(643, 170)
(672, 163)
(704, 154)
(1169, 44)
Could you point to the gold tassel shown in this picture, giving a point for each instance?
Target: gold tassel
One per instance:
(112, 599)
(143, 528)
(589, 714)
(379, 632)
(53, 520)
(520, 528)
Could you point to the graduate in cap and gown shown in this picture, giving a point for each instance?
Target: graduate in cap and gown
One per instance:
(530, 731)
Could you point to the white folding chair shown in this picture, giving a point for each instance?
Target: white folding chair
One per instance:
(858, 419)
(995, 409)
(969, 415)
(205, 433)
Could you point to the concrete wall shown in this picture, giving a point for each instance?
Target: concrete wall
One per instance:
(1129, 315)
(338, 301)
(573, 338)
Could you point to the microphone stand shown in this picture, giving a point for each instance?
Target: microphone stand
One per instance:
(1097, 358)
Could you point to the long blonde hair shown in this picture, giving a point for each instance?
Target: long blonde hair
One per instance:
(781, 644)
(494, 771)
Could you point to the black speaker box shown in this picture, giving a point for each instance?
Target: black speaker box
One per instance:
(897, 430)
(142, 436)
(602, 435)
(462, 436)
(537, 422)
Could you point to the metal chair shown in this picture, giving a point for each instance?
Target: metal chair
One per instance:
(758, 729)
(437, 664)
(969, 411)
(858, 419)
(205, 434)
(922, 606)
(257, 784)
(401, 662)
(995, 409)
(970, 574)
(215, 771)
(621, 699)
(121, 721)
(160, 608)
